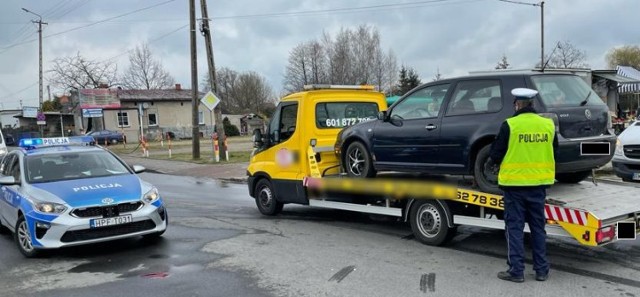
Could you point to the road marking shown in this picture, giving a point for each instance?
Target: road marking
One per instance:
(340, 275)
(428, 282)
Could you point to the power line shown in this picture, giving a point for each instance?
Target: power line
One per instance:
(89, 25)
(150, 41)
(295, 13)
(21, 90)
(71, 9)
(518, 2)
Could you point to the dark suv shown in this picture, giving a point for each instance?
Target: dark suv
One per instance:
(447, 127)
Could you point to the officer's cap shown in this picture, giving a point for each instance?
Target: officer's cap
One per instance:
(523, 93)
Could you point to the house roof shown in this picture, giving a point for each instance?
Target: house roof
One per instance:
(156, 95)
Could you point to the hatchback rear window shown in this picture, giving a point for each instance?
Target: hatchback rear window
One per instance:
(565, 91)
(343, 114)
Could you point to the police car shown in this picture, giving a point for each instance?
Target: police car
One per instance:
(58, 192)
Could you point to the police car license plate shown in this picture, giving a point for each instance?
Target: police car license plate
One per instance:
(97, 223)
(636, 176)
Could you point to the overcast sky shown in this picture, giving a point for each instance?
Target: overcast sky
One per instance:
(455, 36)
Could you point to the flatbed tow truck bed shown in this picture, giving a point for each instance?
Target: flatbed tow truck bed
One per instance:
(593, 213)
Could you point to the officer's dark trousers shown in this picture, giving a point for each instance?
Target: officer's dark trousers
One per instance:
(525, 205)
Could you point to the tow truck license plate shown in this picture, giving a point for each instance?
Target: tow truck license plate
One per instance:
(97, 223)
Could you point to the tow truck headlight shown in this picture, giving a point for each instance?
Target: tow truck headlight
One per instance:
(48, 207)
(151, 196)
(618, 148)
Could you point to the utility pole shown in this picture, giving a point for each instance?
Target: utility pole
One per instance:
(40, 23)
(195, 101)
(542, 35)
(206, 31)
(541, 4)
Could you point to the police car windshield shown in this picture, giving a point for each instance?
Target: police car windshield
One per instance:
(44, 168)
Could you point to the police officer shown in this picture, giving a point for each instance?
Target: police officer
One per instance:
(524, 150)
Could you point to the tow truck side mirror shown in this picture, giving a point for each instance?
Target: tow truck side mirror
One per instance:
(8, 181)
(382, 115)
(257, 138)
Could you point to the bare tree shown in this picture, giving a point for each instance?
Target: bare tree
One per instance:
(146, 72)
(251, 93)
(297, 70)
(77, 72)
(439, 76)
(352, 57)
(628, 55)
(566, 55)
(503, 64)
(239, 93)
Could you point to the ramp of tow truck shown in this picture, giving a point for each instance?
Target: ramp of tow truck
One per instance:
(607, 202)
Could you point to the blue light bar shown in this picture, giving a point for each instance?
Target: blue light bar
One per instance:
(31, 143)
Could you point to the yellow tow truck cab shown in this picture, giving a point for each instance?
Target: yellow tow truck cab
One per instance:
(312, 117)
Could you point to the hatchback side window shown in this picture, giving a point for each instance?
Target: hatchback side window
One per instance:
(424, 103)
(479, 96)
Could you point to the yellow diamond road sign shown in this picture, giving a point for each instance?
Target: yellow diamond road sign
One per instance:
(210, 100)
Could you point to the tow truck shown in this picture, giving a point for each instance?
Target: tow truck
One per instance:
(295, 162)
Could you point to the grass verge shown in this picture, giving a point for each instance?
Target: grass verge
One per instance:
(234, 157)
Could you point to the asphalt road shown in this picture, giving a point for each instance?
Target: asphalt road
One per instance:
(218, 244)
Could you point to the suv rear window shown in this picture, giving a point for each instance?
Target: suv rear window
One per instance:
(565, 90)
(343, 114)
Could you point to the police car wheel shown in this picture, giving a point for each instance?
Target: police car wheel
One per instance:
(266, 199)
(487, 181)
(22, 238)
(357, 161)
(429, 223)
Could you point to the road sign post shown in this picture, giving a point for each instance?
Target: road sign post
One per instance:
(210, 100)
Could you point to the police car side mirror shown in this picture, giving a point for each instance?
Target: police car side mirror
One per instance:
(8, 181)
(139, 169)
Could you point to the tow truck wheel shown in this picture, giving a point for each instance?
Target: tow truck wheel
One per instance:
(22, 237)
(266, 200)
(429, 222)
(358, 161)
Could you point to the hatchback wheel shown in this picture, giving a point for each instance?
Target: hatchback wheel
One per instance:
(357, 161)
(487, 181)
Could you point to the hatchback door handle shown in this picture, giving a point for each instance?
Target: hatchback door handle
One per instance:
(431, 127)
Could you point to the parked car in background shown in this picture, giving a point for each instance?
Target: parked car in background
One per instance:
(107, 136)
(626, 159)
(448, 126)
(9, 140)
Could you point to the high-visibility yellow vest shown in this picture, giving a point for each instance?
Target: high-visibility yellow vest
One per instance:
(529, 159)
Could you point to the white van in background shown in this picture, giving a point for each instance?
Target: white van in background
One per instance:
(3, 146)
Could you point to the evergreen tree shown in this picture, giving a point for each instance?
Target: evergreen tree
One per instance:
(409, 79)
